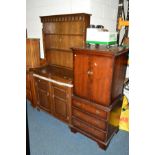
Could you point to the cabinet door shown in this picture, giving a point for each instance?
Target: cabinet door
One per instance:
(61, 102)
(81, 77)
(44, 100)
(101, 68)
(43, 94)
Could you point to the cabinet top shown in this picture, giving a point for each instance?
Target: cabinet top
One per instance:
(55, 72)
(64, 17)
(112, 51)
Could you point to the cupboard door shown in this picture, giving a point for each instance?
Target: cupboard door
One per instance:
(44, 100)
(81, 77)
(101, 79)
(43, 95)
(60, 108)
(61, 102)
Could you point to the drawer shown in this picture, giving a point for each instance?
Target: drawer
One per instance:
(93, 132)
(42, 84)
(89, 119)
(90, 109)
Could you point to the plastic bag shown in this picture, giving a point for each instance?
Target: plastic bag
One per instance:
(124, 118)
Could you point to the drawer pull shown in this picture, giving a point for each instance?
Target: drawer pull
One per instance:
(79, 104)
(90, 73)
(97, 112)
(96, 122)
(78, 114)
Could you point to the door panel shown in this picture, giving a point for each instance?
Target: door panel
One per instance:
(81, 80)
(101, 79)
(43, 94)
(61, 102)
(60, 107)
(44, 100)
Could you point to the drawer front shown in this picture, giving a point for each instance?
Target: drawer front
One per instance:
(89, 119)
(42, 84)
(89, 108)
(94, 132)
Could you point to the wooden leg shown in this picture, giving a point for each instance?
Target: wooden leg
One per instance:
(102, 146)
(73, 130)
(117, 131)
(38, 109)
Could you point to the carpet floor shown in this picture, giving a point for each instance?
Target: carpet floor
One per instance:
(49, 136)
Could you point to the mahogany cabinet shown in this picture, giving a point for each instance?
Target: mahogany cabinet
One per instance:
(99, 74)
(53, 90)
(60, 33)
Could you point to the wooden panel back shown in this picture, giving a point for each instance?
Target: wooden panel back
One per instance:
(60, 33)
(60, 58)
(32, 53)
(76, 27)
(64, 42)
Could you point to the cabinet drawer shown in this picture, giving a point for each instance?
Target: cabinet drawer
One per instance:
(42, 84)
(90, 108)
(94, 132)
(89, 119)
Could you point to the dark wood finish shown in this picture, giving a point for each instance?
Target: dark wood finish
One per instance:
(57, 73)
(30, 88)
(62, 104)
(51, 97)
(60, 33)
(99, 74)
(81, 79)
(89, 129)
(32, 53)
(99, 123)
(90, 108)
(43, 95)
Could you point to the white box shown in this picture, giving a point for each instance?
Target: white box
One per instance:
(98, 36)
